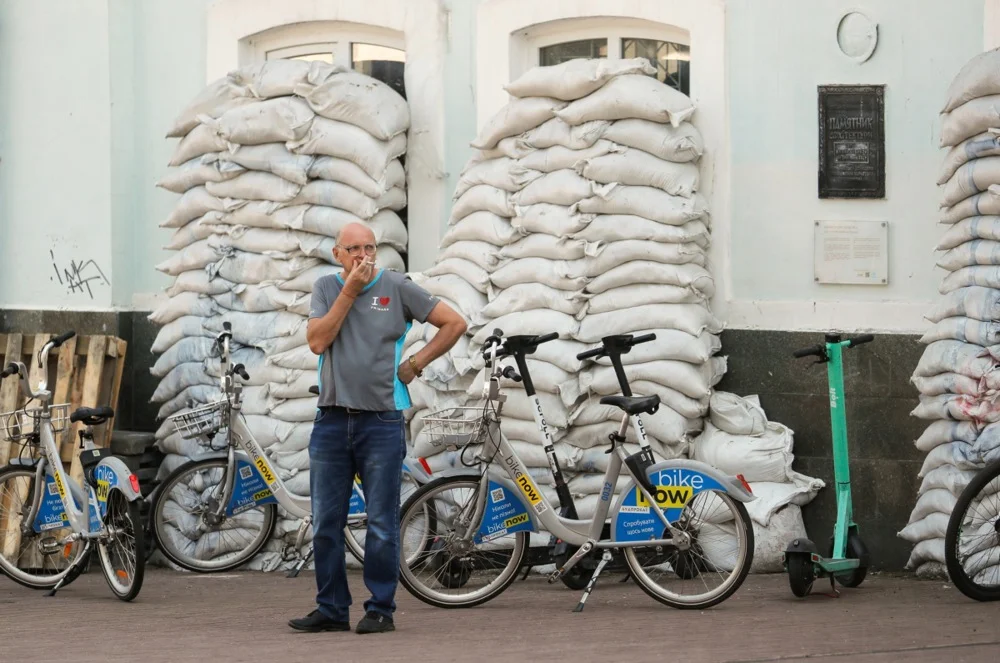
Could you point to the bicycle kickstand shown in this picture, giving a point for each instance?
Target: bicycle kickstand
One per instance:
(74, 572)
(605, 558)
(294, 571)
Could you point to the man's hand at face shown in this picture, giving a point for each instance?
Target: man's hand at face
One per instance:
(360, 276)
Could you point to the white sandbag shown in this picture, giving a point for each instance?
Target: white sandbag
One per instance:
(469, 300)
(978, 77)
(539, 245)
(946, 383)
(679, 144)
(173, 332)
(275, 243)
(480, 227)
(180, 378)
(546, 377)
(298, 388)
(520, 406)
(972, 228)
(646, 202)
(214, 99)
(987, 276)
(537, 321)
(967, 330)
(271, 158)
(986, 203)
(942, 432)
(974, 302)
(770, 542)
(360, 100)
(301, 358)
(936, 500)
(645, 271)
(472, 273)
(274, 120)
(764, 457)
(481, 197)
(528, 296)
(971, 178)
(575, 78)
(249, 327)
(561, 187)
(558, 157)
(329, 221)
(194, 203)
(690, 318)
(973, 117)
(197, 280)
(976, 252)
(184, 304)
(260, 299)
(615, 254)
(255, 185)
(558, 132)
(689, 379)
(555, 220)
(960, 455)
(953, 357)
(189, 234)
(348, 172)
(516, 117)
(666, 425)
(773, 496)
(929, 550)
(201, 140)
(347, 141)
(535, 270)
(501, 173)
(509, 147)
(932, 526)
(639, 168)
(254, 361)
(949, 478)
(630, 96)
(193, 349)
(957, 407)
(986, 144)
(482, 254)
(589, 436)
(195, 172)
(737, 415)
(242, 267)
(337, 195)
(305, 281)
(987, 442)
(619, 227)
(279, 77)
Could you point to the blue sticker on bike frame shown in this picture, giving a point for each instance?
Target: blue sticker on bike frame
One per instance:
(505, 514)
(249, 489)
(357, 505)
(51, 514)
(675, 487)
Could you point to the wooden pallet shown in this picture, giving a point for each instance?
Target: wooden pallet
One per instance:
(85, 372)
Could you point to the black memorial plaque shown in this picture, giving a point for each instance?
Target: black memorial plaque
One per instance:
(851, 141)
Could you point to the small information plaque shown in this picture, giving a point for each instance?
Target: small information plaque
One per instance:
(851, 252)
(851, 141)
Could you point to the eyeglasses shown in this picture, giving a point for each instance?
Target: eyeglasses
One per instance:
(355, 249)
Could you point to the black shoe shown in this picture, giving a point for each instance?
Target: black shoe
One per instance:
(316, 621)
(374, 622)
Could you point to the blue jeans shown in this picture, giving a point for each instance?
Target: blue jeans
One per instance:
(373, 445)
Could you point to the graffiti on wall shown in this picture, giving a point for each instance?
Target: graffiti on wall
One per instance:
(79, 276)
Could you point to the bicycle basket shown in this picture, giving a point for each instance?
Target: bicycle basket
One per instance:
(21, 424)
(202, 420)
(453, 427)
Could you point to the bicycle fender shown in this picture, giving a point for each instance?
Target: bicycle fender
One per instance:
(110, 473)
(677, 481)
(24, 462)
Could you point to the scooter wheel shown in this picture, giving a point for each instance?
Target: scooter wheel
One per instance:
(800, 573)
(855, 550)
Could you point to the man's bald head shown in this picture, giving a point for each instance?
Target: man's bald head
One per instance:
(355, 233)
(351, 242)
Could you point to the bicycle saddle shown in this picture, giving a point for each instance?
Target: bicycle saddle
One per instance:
(634, 404)
(92, 416)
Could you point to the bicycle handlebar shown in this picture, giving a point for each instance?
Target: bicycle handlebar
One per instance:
(10, 370)
(62, 338)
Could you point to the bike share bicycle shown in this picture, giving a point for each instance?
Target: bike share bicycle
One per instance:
(972, 539)
(42, 512)
(654, 513)
(235, 489)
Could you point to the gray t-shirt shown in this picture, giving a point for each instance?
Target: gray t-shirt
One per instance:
(359, 369)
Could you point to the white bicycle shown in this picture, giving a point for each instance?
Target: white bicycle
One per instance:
(49, 523)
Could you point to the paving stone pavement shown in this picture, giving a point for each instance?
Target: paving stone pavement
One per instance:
(242, 616)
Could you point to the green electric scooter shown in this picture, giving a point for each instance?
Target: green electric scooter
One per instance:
(847, 561)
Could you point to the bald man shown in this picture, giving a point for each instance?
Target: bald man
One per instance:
(357, 322)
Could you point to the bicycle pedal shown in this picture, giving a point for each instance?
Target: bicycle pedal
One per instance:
(555, 575)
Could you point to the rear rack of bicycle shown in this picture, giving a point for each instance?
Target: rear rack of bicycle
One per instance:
(202, 420)
(24, 423)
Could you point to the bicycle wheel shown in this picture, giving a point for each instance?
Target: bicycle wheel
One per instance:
(972, 540)
(354, 533)
(437, 560)
(34, 559)
(185, 533)
(666, 573)
(122, 552)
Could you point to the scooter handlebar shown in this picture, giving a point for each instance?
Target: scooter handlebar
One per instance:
(859, 340)
(816, 350)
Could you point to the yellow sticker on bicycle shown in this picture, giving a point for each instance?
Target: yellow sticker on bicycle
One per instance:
(667, 497)
(516, 520)
(528, 488)
(265, 471)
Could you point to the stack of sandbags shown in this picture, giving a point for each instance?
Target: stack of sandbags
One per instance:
(957, 375)
(579, 214)
(273, 161)
(739, 439)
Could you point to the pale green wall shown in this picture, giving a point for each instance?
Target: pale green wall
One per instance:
(778, 52)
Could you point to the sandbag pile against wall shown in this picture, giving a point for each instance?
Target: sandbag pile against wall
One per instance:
(957, 375)
(579, 213)
(739, 439)
(273, 160)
